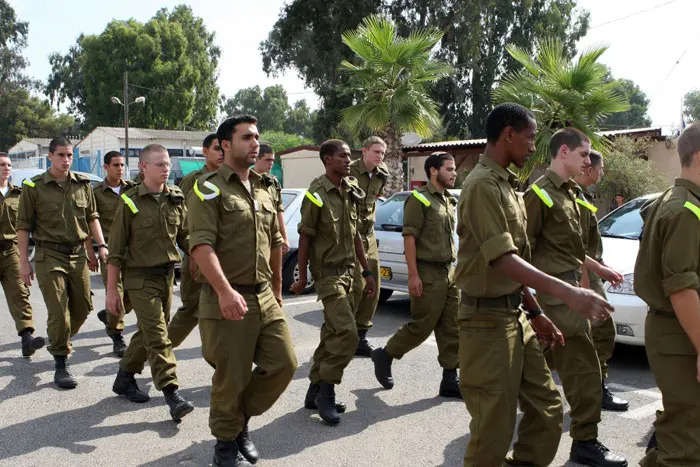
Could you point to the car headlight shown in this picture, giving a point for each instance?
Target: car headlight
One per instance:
(625, 288)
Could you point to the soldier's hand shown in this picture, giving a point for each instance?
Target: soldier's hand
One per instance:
(103, 252)
(113, 302)
(370, 286)
(193, 267)
(93, 264)
(26, 272)
(610, 275)
(299, 286)
(698, 365)
(279, 300)
(415, 286)
(233, 305)
(285, 247)
(589, 304)
(547, 331)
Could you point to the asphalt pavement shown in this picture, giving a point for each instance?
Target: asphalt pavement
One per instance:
(406, 426)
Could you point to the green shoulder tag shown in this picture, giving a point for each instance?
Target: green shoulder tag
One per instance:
(693, 208)
(129, 203)
(214, 190)
(587, 205)
(543, 195)
(28, 182)
(419, 196)
(315, 198)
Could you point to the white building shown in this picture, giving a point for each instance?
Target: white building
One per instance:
(30, 152)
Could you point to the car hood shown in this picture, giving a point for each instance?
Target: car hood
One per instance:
(620, 254)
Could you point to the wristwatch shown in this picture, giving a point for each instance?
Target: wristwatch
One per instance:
(366, 273)
(104, 245)
(533, 313)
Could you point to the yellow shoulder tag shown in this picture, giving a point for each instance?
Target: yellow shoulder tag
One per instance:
(693, 208)
(129, 203)
(207, 184)
(587, 205)
(28, 182)
(543, 195)
(315, 198)
(419, 196)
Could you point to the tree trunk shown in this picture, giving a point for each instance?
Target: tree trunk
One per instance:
(394, 162)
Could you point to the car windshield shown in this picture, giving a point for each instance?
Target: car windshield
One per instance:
(287, 198)
(624, 222)
(390, 213)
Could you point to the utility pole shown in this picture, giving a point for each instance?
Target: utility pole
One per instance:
(126, 117)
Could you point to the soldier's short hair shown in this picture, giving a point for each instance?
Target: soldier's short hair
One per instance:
(507, 115)
(111, 155)
(265, 149)
(228, 127)
(4, 154)
(150, 149)
(372, 140)
(435, 161)
(689, 144)
(569, 136)
(596, 158)
(209, 140)
(330, 147)
(58, 142)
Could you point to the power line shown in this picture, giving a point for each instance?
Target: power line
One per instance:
(690, 43)
(632, 14)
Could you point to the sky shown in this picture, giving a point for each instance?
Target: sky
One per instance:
(652, 48)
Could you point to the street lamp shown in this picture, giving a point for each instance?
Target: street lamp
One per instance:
(138, 100)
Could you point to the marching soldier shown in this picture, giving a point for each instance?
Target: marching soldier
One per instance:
(666, 278)
(501, 360)
(148, 226)
(237, 245)
(554, 231)
(16, 291)
(328, 237)
(58, 208)
(107, 198)
(602, 332)
(263, 166)
(428, 232)
(185, 319)
(371, 174)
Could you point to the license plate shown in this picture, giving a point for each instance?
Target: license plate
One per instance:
(385, 273)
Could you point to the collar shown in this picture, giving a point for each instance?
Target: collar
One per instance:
(105, 185)
(48, 178)
(227, 172)
(557, 181)
(330, 186)
(433, 191)
(502, 172)
(142, 190)
(690, 186)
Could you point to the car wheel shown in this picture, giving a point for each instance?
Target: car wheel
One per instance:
(384, 295)
(291, 274)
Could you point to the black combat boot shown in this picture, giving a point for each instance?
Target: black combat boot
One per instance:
(30, 344)
(382, 367)
(179, 407)
(652, 443)
(226, 455)
(125, 385)
(310, 399)
(612, 402)
(118, 344)
(449, 386)
(514, 463)
(364, 349)
(594, 454)
(246, 446)
(62, 377)
(325, 401)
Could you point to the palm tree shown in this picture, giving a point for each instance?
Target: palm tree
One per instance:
(391, 83)
(561, 92)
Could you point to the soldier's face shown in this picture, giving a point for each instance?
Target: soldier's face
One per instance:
(264, 164)
(578, 159)
(244, 146)
(339, 163)
(521, 144)
(447, 175)
(115, 168)
(596, 173)
(374, 155)
(156, 167)
(61, 158)
(213, 154)
(5, 168)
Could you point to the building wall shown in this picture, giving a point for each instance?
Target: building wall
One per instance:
(664, 156)
(300, 168)
(25, 148)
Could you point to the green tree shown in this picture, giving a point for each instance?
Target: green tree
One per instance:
(13, 39)
(171, 59)
(691, 105)
(636, 116)
(300, 119)
(561, 93)
(391, 80)
(280, 141)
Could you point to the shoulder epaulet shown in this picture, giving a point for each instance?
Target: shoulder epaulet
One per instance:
(355, 190)
(16, 189)
(315, 198)
(175, 194)
(204, 189)
(82, 178)
(129, 202)
(421, 197)
(543, 195)
(31, 182)
(383, 170)
(269, 180)
(692, 208)
(582, 201)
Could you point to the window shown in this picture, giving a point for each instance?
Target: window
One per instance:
(390, 214)
(287, 198)
(624, 222)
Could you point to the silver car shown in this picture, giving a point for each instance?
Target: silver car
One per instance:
(291, 200)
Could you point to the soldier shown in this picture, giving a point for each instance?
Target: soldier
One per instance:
(371, 174)
(16, 291)
(501, 360)
(428, 237)
(185, 318)
(666, 278)
(602, 332)
(554, 232)
(58, 208)
(263, 166)
(328, 237)
(148, 226)
(237, 245)
(107, 198)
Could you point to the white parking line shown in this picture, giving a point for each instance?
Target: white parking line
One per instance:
(300, 302)
(644, 411)
(651, 393)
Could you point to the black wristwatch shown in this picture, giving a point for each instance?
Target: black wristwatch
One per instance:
(531, 314)
(104, 245)
(366, 273)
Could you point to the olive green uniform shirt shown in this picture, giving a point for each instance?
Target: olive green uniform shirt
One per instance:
(429, 216)
(372, 183)
(56, 212)
(554, 225)
(329, 215)
(187, 182)
(241, 227)
(275, 189)
(148, 228)
(107, 201)
(590, 233)
(669, 253)
(8, 213)
(492, 222)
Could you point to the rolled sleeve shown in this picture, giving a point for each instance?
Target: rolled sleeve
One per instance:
(202, 220)
(484, 215)
(309, 218)
(91, 212)
(497, 246)
(27, 209)
(118, 236)
(413, 217)
(680, 258)
(276, 239)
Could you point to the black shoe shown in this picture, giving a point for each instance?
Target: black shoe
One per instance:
(226, 454)
(310, 399)
(515, 463)
(652, 444)
(364, 349)
(62, 377)
(449, 386)
(118, 345)
(125, 385)
(612, 402)
(246, 446)
(594, 454)
(102, 316)
(382, 367)
(325, 401)
(179, 407)
(31, 344)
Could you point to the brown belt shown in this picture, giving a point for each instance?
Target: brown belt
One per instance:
(6, 245)
(65, 248)
(156, 271)
(572, 276)
(331, 272)
(251, 289)
(511, 301)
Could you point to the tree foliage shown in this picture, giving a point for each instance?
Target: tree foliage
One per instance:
(279, 141)
(636, 116)
(171, 60)
(691, 105)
